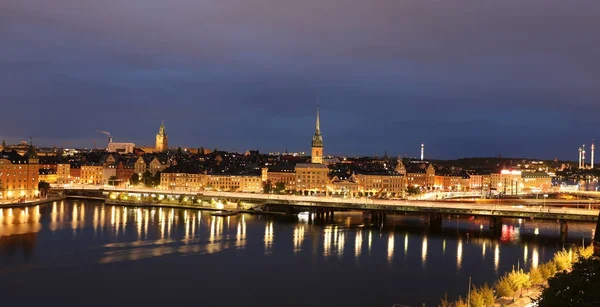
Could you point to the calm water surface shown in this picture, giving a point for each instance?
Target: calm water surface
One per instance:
(76, 253)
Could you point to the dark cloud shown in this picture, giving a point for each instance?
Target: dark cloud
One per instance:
(469, 78)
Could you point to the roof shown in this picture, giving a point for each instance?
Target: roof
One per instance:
(536, 174)
(311, 165)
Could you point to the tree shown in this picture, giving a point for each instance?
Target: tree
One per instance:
(535, 276)
(487, 292)
(504, 287)
(134, 179)
(412, 190)
(267, 186)
(476, 298)
(279, 187)
(548, 270)
(460, 302)
(562, 260)
(585, 252)
(148, 179)
(519, 280)
(113, 180)
(576, 288)
(444, 301)
(43, 187)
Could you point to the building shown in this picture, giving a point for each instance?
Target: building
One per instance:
(140, 166)
(92, 174)
(19, 175)
(420, 175)
(63, 173)
(536, 181)
(122, 148)
(317, 143)
(312, 178)
(156, 165)
(75, 173)
(281, 174)
(47, 175)
(124, 171)
(234, 183)
(162, 140)
(381, 184)
(182, 181)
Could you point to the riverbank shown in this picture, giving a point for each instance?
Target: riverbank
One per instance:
(528, 297)
(32, 202)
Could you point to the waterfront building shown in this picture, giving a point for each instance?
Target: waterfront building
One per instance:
(19, 175)
(420, 175)
(182, 181)
(345, 184)
(125, 168)
(381, 184)
(234, 183)
(47, 175)
(312, 178)
(63, 173)
(536, 181)
(75, 173)
(92, 174)
(162, 140)
(283, 174)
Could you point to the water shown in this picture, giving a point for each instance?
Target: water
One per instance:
(75, 253)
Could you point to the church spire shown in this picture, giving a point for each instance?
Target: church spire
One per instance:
(317, 140)
(318, 126)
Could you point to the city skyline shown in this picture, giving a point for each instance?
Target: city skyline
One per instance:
(468, 82)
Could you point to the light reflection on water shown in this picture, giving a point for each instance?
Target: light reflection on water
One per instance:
(113, 235)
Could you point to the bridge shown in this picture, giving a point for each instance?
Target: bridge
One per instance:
(323, 207)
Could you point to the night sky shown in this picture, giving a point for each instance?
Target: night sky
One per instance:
(469, 78)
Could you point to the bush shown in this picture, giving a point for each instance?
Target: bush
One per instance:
(461, 302)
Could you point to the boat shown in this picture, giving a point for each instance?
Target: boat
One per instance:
(225, 213)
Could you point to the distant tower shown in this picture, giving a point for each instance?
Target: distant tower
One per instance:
(592, 156)
(422, 151)
(579, 165)
(583, 157)
(162, 143)
(317, 143)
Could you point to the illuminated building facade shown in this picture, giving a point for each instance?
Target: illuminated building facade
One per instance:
(162, 140)
(63, 173)
(92, 174)
(312, 178)
(19, 175)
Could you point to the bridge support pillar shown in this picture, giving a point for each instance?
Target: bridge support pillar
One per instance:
(496, 222)
(434, 220)
(563, 226)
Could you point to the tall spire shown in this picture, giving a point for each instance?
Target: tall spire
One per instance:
(318, 126)
(317, 140)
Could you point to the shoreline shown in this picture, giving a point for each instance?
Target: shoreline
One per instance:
(32, 203)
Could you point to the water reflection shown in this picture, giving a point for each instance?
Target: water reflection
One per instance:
(298, 237)
(268, 237)
(128, 234)
(535, 258)
(358, 244)
(390, 247)
(496, 257)
(424, 251)
(459, 254)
